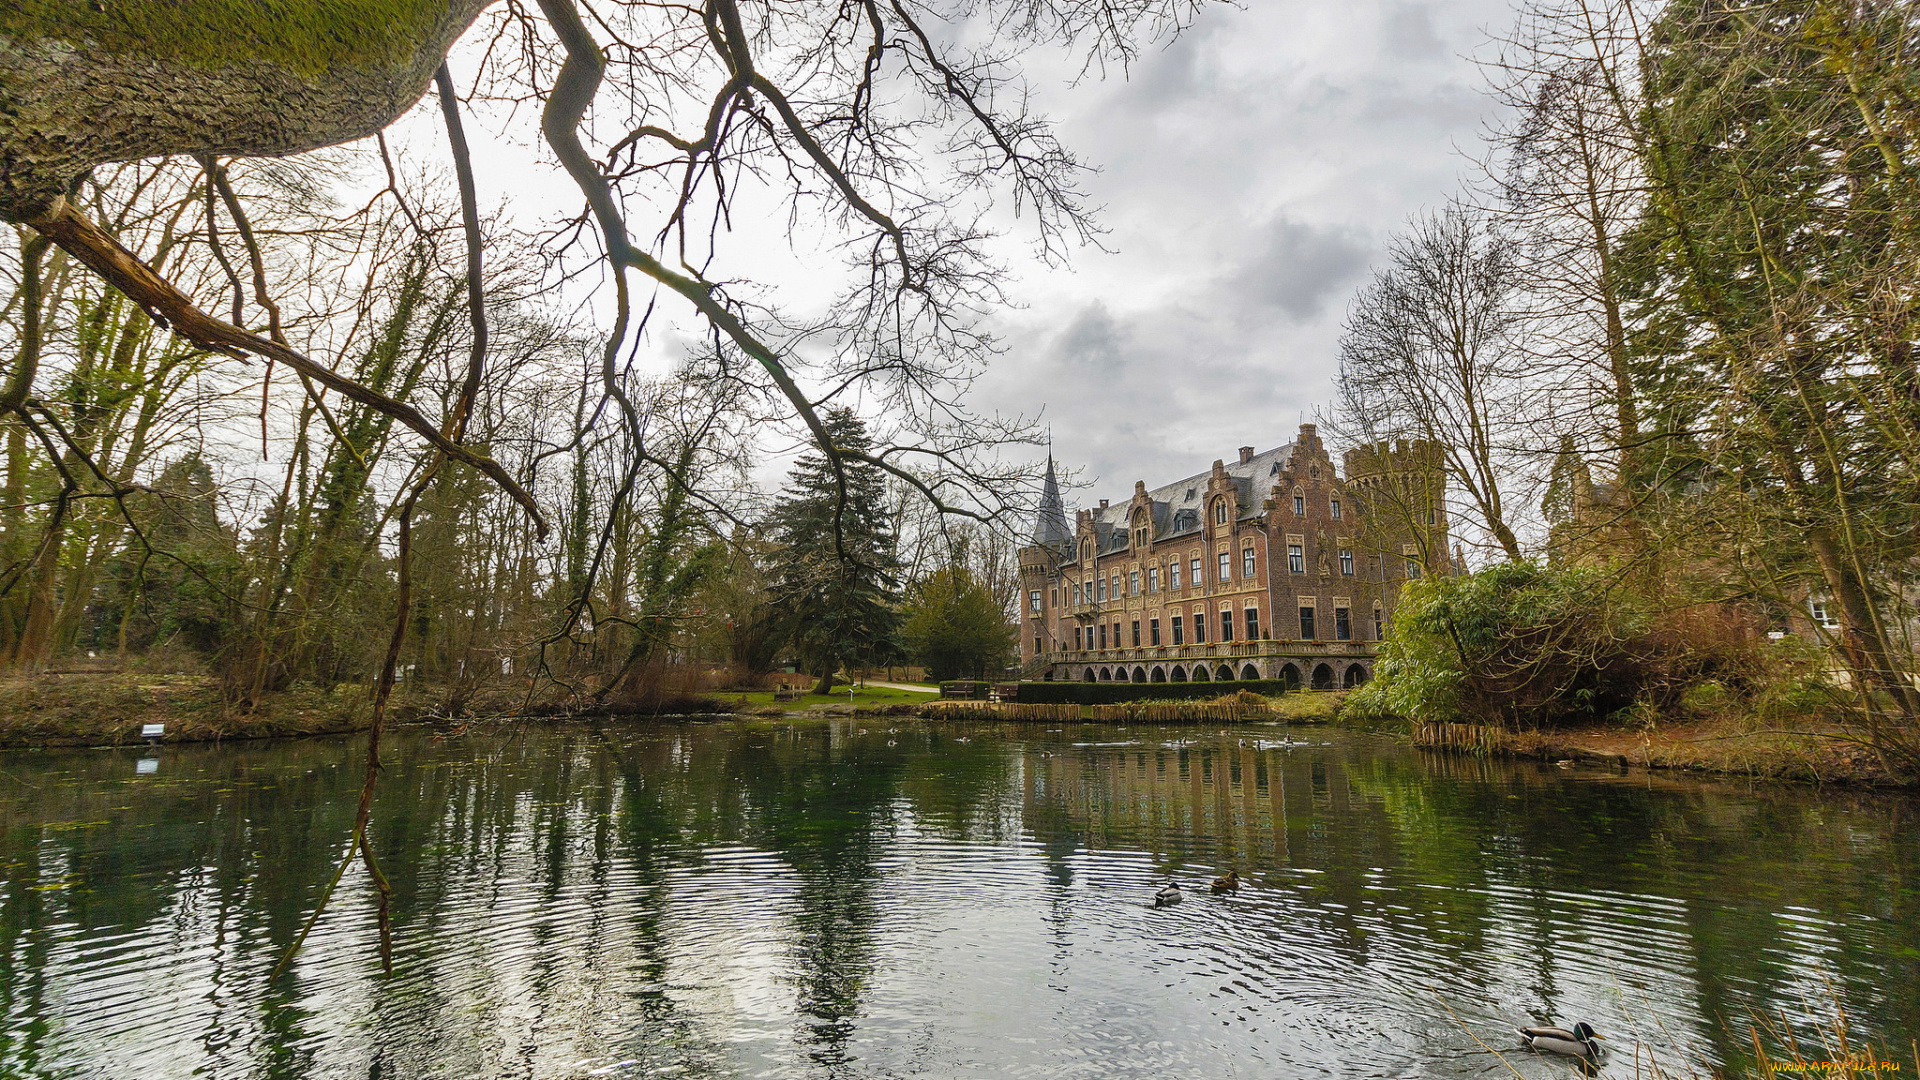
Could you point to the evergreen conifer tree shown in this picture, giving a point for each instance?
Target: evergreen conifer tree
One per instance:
(834, 591)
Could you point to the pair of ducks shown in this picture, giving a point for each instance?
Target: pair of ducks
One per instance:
(1172, 895)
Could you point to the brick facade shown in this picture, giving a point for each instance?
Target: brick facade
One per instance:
(1275, 566)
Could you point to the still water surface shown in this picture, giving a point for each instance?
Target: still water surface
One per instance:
(895, 899)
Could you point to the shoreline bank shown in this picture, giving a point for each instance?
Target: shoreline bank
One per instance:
(108, 708)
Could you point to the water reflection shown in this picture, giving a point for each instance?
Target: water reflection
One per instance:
(832, 900)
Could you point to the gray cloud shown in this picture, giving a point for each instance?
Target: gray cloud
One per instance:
(1298, 267)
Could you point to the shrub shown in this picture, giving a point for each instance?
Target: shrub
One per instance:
(1525, 645)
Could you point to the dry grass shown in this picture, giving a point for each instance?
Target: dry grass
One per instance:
(102, 708)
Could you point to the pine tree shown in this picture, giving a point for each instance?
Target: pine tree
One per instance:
(835, 587)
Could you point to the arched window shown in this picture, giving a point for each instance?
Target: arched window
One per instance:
(1219, 511)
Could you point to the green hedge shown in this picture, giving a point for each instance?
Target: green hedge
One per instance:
(1098, 693)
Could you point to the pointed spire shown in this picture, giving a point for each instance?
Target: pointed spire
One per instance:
(1050, 525)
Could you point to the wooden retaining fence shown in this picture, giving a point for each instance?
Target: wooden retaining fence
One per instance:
(1478, 738)
(1181, 712)
(1139, 712)
(1003, 710)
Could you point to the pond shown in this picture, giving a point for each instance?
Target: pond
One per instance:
(893, 898)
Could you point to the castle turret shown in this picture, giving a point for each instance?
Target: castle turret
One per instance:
(1050, 525)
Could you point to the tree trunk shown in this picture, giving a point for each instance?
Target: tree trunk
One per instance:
(83, 83)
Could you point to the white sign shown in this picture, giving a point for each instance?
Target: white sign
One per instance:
(146, 766)
(152, 731)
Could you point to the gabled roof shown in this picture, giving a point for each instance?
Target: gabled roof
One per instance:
(1252, 478)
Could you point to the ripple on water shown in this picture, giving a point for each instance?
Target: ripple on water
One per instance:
(710, 900)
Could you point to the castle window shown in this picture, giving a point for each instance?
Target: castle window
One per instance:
(1177, 639)
(1342, 625)
(1114, 591)
(1346, 562)
(1133, 583)
(1103, 635)
(1296, 559)
(1275, 471)
(1173, 575)
(1822, 616)
(1299, 506)
(1189, 494)
(1100, 589)
(1336, 509)
(1077, 643)
(1379, 624)
(1220, 512)
(1200, 626)
(1033, 600)
(1153, 631)
(1429, 513)
(1136, 633)
(1193, 573)
(1038, 647)
(1153, 579)
(1306, 624)
(1253, 623)
(1226, 624)
(1413, 569)
(1246, 563)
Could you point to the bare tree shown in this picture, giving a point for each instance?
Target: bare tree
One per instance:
(1430, 351)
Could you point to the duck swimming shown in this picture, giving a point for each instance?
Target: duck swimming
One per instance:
(1168, 896)
(1230, 883)
(1558, 1040)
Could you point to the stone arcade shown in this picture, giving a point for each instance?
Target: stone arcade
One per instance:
(1274, 566)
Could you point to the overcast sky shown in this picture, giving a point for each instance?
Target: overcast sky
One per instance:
(1251, 174)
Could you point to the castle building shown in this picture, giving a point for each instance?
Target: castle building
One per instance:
(1273, 566)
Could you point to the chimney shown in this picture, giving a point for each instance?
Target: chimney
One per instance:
(1103, 504)
(1246, 454)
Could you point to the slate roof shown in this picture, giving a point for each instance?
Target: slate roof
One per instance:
(1176, 506)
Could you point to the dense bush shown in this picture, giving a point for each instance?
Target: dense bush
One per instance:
(1531, 646)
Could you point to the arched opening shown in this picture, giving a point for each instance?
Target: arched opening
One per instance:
(1106, 674)
(1139, 674)
(1048, 676)
(1200, 673)
(1178, 674)
(1356, 676)
(1322, 677)
(1158, 674)
(1249, 672)
(1090, 675)
(1225, 674)
(1290, 677)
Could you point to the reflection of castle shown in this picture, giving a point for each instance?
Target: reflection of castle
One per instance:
(1272, 567)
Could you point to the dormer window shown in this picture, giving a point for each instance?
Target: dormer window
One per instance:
(1189, 494)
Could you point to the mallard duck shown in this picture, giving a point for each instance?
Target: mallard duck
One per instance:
(1558, 1040)
(1230, 883)
(1168, 896)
